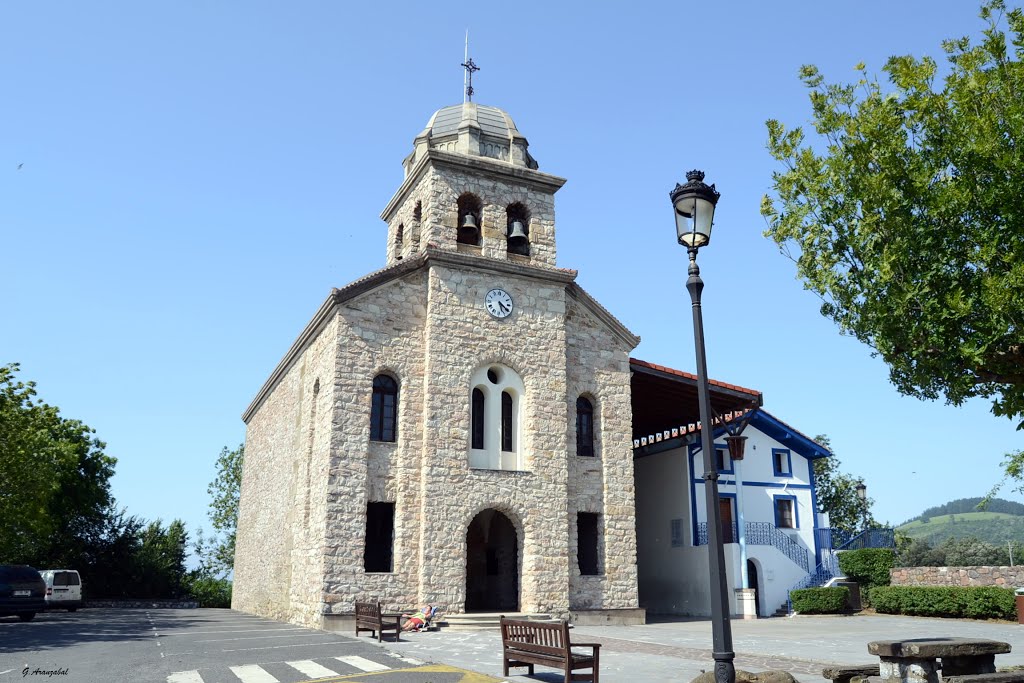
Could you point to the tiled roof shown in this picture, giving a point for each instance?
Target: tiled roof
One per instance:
(689, 375)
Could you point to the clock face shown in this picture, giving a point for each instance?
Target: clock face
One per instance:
(498, 303)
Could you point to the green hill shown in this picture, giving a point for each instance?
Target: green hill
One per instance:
(995, 528)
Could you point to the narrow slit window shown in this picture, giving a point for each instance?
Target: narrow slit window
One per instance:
(506, 422)
(478, 418)
(584, 427)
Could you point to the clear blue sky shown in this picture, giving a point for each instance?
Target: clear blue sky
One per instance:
(197, 176)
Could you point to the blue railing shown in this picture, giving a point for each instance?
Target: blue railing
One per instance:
(858, 540)
(822, 574)
(760, 533)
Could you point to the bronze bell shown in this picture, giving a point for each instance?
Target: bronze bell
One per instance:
(469, 232)
(518, 242)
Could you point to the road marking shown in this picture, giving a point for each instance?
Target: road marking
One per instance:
(294, 635)
(310, 668)
(228, 630)
(251, 673)
(185, 677)
(363, 663)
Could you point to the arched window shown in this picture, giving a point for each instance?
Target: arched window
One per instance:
(506, 422)
(399, 238)
(496, 403)
(478, 419)
(384, 410)
(584, 427)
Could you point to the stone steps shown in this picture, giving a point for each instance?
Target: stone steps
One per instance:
(481, 621)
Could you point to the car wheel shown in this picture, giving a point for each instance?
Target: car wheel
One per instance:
(26, 616)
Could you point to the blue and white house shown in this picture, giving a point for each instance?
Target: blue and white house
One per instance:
(768, 508)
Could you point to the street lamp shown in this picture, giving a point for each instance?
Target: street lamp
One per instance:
(694, 205)
(862, 493)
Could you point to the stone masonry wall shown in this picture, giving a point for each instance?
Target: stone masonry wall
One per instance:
(462, 337)
(279, 544)
(597, 363)
(379, 332)
(438, 192)
(1007, 577)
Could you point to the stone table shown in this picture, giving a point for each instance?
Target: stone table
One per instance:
(918, 660)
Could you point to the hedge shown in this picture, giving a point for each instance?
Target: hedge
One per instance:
(820, 600)
(972, 602)
(869, 567)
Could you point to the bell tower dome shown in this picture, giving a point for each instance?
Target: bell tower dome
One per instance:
(472, 186)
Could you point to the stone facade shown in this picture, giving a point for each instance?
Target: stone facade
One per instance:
(1005, 577)
(311, 467)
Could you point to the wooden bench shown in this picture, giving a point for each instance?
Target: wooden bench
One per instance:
(525, 643)
(370, 618)
(849, 674)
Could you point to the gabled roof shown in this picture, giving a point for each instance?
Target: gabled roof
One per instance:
(664, 398)
(791, 438)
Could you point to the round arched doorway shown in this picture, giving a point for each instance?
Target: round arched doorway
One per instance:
(492, 564)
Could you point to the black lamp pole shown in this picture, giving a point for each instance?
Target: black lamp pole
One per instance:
(694, 205)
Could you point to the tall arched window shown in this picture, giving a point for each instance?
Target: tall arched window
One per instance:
(384, 410)
(478, 419)
(470, 219)
(517, 232)
(506, 422)
(584, 427)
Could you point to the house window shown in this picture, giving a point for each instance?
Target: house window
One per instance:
(785, 512)
(380, 528)
(584, 427)
(478, 418)
(384, 411)
(496, 403)
(782, 464)
(506, 421)
(722, 460)
(677, 533)
(586, 543)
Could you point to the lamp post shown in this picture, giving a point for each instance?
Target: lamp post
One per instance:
(862, 493)
(694, 205)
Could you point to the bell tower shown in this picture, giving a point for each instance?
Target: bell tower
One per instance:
(472, 186)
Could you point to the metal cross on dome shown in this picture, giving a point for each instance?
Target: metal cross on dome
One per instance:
(470, 67)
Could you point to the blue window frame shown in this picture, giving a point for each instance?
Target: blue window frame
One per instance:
(786, 513)
(722, 460)
(782, 462)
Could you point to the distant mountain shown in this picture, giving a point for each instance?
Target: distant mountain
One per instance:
(965, 505)
(1002, 521)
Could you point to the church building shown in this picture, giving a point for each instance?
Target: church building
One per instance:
(456, 427)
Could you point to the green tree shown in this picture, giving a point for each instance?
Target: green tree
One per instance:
(225, 489)
(160, 561)
(905, 213)
(54, 478)
(837, 494)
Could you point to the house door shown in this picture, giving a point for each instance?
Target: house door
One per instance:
(752, 583)
(492, 564)
(725, 510)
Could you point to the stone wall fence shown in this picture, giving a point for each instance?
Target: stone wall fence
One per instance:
(1005, 577)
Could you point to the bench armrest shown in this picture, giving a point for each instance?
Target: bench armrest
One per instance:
(596, 646)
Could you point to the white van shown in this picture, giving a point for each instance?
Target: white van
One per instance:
(63, 589)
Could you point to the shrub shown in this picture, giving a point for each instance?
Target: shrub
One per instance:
(820, 600)
(211, 592)
(973, 602)
(869, 567)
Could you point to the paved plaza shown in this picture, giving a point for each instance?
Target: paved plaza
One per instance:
(680, 650)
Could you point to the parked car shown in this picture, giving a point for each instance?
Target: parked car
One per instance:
(22, 591)
(63, 589)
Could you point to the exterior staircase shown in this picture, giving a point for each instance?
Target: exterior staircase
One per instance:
(482, 621)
